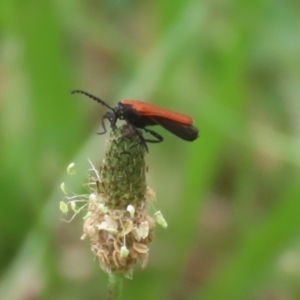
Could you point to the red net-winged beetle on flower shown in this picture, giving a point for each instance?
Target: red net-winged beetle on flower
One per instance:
(140, 114)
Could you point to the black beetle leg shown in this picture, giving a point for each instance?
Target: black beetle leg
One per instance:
(155, 134)
(103, 126)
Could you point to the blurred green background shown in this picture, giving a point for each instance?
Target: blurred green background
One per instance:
(231, 198)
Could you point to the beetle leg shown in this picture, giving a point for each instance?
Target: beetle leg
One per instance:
(139, 133)
(155, 134)
(103, 126)
(111, 117)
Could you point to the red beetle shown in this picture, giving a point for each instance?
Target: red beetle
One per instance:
(139, 114)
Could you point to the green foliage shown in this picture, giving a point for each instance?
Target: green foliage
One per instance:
(231, 198)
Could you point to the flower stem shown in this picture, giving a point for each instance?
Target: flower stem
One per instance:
(114, 287)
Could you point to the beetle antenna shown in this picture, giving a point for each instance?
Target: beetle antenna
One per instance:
(92, 97)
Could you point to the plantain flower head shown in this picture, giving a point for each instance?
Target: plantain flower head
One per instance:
(117, 223)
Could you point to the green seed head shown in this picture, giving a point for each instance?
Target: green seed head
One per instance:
(122, 172)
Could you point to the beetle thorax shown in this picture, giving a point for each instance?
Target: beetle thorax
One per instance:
(119, 110)
(126, 112)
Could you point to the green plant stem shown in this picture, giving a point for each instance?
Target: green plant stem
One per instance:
(114, 290)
